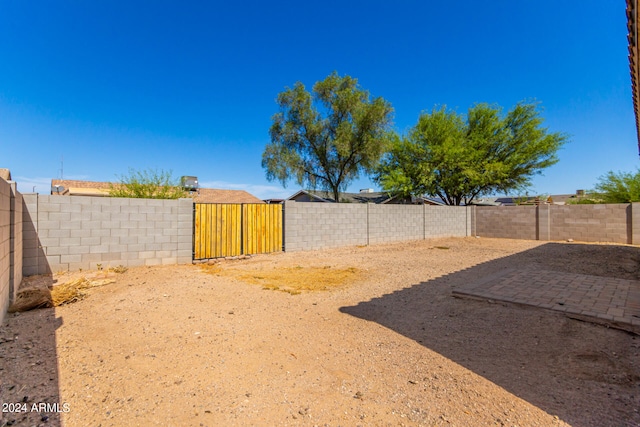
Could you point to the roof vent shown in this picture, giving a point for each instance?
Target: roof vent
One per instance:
(579, 192)
(189, 183)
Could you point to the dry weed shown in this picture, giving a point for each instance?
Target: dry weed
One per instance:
(291, 279)
(65, 293)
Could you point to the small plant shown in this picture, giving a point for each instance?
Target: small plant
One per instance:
(99, 266)
(521, 200)
(119, 269)
(148, 184)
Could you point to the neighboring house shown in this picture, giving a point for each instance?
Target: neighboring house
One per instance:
(67, 187)
(554, 199)
(5, 174)
(364, 196)
(210, 195)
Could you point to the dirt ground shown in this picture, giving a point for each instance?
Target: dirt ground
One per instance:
(357, 336)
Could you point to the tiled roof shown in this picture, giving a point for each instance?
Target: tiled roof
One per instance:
(362, 197)
(374, 197)
(203, 195)
(70, 183)
(210, 195)
(555, 199)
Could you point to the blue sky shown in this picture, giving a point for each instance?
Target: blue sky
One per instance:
(190, 86)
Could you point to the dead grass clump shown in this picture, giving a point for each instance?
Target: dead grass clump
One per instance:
(65, 293)
(30, 299)
(293, 280)
(119, 269)
(69, 292)
(213, 269)
(74, 291)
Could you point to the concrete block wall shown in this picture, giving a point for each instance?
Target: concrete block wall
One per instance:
(71, 233)
(322, 225)
(31, 248)
(389, 223)
(16, 246)
(635, 223)
(592, 223)
(614, 223)
(310, 225)
(446, 221)
(511, 222)
(5, 249)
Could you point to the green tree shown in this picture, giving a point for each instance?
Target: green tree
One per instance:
(148, 184)
(327, 138)
(458, 158)
(621, 187)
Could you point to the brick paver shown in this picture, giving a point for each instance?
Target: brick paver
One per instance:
(603, 299)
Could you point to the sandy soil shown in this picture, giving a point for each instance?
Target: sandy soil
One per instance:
(385, 344)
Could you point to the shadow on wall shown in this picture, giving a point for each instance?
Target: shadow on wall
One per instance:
(29, 383)
(34, 257)
(565, 367)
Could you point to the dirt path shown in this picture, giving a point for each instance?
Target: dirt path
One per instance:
(239, 343)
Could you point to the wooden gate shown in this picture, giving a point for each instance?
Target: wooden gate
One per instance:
(222, 230)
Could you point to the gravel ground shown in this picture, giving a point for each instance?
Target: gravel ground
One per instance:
(387, 345)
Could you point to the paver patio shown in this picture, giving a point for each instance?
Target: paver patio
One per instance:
(615, 302)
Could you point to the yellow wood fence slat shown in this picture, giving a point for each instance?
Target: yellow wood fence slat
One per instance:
(222, 230)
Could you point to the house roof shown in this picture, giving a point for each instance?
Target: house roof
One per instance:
(555, 199)
(633, 15)
(326, 196)
(202, 195)
(361, 197)
(5, 174)
(71, 187)
(210, 195)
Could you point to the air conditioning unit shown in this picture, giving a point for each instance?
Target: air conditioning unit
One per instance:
(189, 183)
(57, 189)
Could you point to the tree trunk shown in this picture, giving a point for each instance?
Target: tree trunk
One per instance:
(336, 194)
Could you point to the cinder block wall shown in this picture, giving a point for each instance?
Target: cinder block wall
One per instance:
(511, 222)
(71, 233)
(323, 225)
(591, 223)
(389, 223)
(445, 221)
(31, 249)
(310, 226)
(5, 246)
(16, 242)
(615, 223)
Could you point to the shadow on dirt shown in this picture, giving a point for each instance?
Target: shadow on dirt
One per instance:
(29, 378)
(585, 374)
